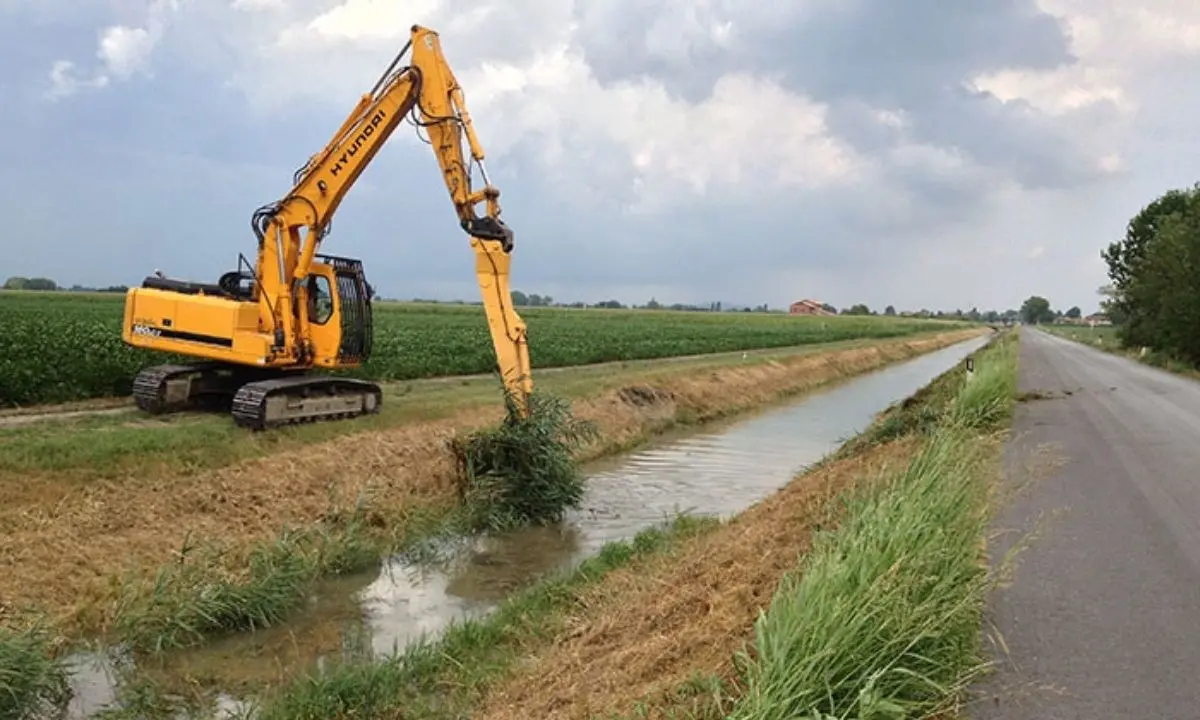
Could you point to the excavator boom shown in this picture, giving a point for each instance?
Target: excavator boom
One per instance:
(305, 310)
(443, 113)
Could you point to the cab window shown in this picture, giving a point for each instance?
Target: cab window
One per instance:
(320, 299)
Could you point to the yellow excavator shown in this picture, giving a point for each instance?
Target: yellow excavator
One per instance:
(261, 330)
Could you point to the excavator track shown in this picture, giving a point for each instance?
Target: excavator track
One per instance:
(303, 399)
(173, 388)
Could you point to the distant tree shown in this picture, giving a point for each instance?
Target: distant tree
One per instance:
(1036, 309)
(24, 283)
(519, 298)
(829, 308)
(857, 309)
(1074, 313)
(889, 310)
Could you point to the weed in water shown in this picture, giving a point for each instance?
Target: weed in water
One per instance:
(33, 683)
(523, 471)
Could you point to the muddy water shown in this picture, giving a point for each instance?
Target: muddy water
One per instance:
(716, 470)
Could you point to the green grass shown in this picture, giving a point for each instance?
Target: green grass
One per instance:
(61, 347)
(881, 618)
(1106, 339)
(33, 683)
(1102, 336)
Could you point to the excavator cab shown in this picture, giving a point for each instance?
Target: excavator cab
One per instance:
(339, 311)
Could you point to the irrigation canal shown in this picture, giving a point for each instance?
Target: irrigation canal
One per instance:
(718, 469)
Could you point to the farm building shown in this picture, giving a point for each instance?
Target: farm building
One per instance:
(808, 307)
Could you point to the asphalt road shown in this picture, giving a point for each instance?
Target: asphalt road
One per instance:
(1102, 618)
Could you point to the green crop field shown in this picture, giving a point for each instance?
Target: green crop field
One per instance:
(59, 347)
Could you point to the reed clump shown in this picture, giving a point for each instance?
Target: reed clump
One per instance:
(523, 471)
(33, 682)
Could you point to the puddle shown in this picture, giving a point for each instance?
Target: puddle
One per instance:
(717, 470)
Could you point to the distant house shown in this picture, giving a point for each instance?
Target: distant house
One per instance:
(1097, 319)
(808, 307)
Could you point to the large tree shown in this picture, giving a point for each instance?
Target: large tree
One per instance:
(1162, 295)
(1036, 309)
(1133, 295)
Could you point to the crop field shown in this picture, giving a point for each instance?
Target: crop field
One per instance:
(60, 347)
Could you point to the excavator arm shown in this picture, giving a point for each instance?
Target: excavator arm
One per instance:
(290, 230)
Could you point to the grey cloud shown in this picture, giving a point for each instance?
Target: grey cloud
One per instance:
(913, 56)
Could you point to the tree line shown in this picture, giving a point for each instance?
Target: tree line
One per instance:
(1154, 270)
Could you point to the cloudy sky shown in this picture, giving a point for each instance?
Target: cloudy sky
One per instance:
(922, 153)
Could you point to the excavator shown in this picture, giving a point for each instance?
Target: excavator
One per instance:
(262, 339)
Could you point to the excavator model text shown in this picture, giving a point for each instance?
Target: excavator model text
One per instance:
(259, 330)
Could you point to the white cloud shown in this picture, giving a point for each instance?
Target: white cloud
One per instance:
(631, 142)
(65, 81)
(121, 49)
(1114, 42)
(660, 149)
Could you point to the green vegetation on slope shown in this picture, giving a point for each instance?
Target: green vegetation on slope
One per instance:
(65, 347)
(882, 617)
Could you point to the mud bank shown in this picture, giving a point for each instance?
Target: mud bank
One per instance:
(73, 551)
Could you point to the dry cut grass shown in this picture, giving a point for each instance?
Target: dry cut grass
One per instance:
(66, 549)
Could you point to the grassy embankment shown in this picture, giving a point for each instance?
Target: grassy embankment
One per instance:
(1106, 339)
(66, 347)
(352, 499)
(871, 568)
